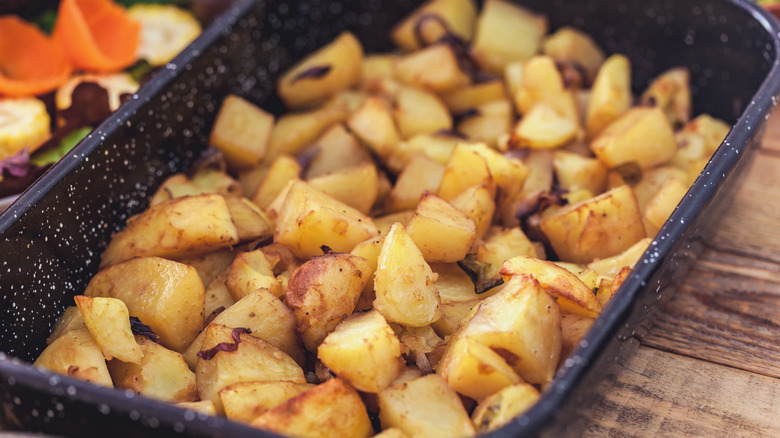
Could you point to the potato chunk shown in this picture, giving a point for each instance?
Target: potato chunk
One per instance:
(241, 132)
(364, 351)
(501, 407)
(474, 370)
(165, 295)
(76, 354)
(332, 68)
(108, 320)
(596, 228)
(434, 67)
(161, 374)
(404, 282)
(441, 232)
(522, 323)
(641, 135)
(309, 219)
(457, 15)
(424, 407)
(331, 409)
(245, 401)
(610, 95)
(178, 228)
(324, 291)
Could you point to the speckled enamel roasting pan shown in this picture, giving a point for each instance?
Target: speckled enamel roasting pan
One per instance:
(52, 236)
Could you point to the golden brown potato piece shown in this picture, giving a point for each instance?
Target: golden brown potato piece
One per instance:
(610, 266)
(424, 407)
(610, 96)
(108, 321)
(441, 231)
(161, 374)
(329, 410)
(205, 407)
(466, 167)
(404, 287)
(571, 293)
(457, 15)
(76, 354)
(501, 407)
(268, 318)
(505, 33)
(421, 173)
(178, 228)
(568, 44)
(364, 351)
(324, 291)
(522, 323)
(69, 320)
(435, 67)
(245, 401)
(165, 295)
(335, 149)
(478, 204)
(322, 74)
(487, 122)
(251, 222)
(309, 219)
(205, 180)
(596, 228)
(542, 127)
(575, 172)
(627, 139)
(230, 355)
(472, 96)
(283, 169)
(475, 370)
(249, 272)
(671, 92)
(418, 111)
(539, 81)
(356, 186)
(241, 132)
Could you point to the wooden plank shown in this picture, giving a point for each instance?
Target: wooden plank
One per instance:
(662, 394)
(725, 312)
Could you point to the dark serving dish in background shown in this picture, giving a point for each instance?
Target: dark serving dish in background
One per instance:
(51, 238)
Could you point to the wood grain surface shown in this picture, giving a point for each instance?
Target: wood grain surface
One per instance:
(710, 365)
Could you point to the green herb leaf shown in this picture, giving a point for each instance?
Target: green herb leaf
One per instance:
(51, 156)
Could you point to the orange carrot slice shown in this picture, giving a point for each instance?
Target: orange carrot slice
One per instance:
(30, 62)
(97, 35)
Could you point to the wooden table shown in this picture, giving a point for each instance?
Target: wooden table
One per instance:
(710, 366)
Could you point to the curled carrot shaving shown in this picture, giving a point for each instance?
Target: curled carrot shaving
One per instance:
(97, 35)
(30, 62)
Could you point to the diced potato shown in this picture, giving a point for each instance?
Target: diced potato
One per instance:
(108, 321)
(241, 132)
(384, 223)
(364, 351)
(404, 282)
(293, 131)
(418, 111)
(474, 370)
(543, 127)
(250, 221)
(71, 319)
(435, 67)
(373, 123)
(652, 180)
(465, 168)
(610, 96)
(356, 186)
(568, 44)
(161, 374)
(424, 407)
(309, 219)
(572, 294)
(540, 81)
(506, 33)
(501, 407)
(252, 359)
(641, 135)
(324, 291)
(204, 181)
(377, 67)
(499, 245)
(600, 227)
(539, 163)
(610, 266)
(608, 290)
(335, 149)
(487, 122)
(217, 296)
(671, 92)
(76, 354)
(575, 172)
(573, 329)
(522, 323)
(245, 401)
(369, 250)
(661, 206)
(322, 74)
(453, 316)
(267, 317)
(457, 15)
(210, 265)
(438, 147)
(178, 228)
(165, 295)
(329, 410)
(440, 231)
(477, 202)
(420, 174)
(473, 96)
(283, 169)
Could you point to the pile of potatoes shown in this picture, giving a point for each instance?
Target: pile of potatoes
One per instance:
(411, 250)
